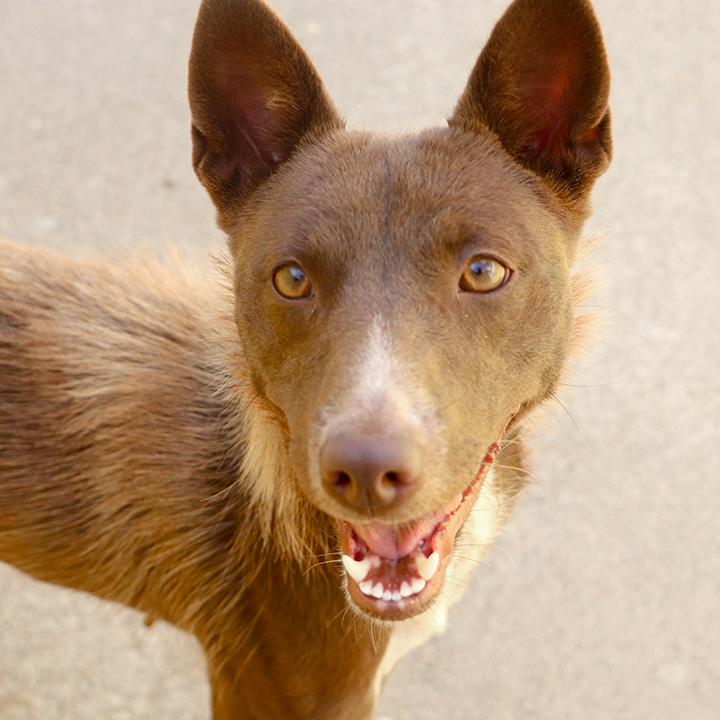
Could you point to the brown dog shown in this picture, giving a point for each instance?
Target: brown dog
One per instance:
(252, 457)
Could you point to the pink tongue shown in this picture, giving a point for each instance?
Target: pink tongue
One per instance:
(393, 542)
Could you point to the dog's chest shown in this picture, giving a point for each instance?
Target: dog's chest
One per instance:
(476, 537)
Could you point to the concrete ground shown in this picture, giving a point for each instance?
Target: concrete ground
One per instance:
(602, 599)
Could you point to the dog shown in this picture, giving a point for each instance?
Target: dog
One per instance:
(300, 458)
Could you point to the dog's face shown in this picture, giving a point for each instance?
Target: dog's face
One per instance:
(401, 301)
(398, 322)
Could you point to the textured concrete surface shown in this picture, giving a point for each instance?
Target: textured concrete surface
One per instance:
(601, 599)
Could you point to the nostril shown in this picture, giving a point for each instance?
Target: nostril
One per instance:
(391, 486)
(341, 484)
(398, 478)
(340, 479)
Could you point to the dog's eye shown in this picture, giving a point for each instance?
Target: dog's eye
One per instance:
(292, 283)
(483, 274)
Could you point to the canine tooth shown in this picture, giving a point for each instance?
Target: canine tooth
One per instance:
(405, 589)
(387, 595)
(417, 586)
(377, 591)
(426, 567)
(366, 587)
(356, 569)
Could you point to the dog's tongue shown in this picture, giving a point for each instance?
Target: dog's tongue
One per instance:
(393, 542)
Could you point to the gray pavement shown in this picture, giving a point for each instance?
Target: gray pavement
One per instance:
(602, 598)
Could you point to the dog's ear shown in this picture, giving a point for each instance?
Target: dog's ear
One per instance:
(254, 97)
(541, 85)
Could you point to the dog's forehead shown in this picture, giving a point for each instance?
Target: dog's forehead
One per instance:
(357, 196)
(413, 177)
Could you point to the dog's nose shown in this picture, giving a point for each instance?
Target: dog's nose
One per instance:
(370, 473)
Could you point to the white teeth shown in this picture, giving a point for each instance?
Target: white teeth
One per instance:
(379, 592)
(417, 585)
(356, 569)
(426, 567)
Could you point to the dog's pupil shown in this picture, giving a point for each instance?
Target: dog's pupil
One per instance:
(482, 267)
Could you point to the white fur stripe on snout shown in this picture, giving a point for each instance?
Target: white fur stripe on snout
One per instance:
(383, 390)
(379, 374)
(381, 393)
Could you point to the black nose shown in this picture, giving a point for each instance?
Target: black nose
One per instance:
(370, 473)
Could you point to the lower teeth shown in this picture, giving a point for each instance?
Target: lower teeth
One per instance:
(379, 592)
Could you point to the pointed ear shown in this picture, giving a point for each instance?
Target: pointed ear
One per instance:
(541, 85)
(254, 97)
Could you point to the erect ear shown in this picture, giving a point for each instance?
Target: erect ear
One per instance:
(254, 97)
(541, 85)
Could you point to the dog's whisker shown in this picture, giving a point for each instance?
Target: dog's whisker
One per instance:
(319, 564)
(452, 602)
(531, 475)
(572, 419)
(593, 385)
(339, 615)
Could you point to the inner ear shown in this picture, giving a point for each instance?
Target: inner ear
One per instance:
(254, 97)
(541, 85)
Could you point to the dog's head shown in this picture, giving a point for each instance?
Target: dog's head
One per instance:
(402, 301)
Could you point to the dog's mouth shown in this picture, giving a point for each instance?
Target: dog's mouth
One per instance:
(396, 571)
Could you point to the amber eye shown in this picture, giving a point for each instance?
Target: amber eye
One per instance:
(483, 274)
(292, 283)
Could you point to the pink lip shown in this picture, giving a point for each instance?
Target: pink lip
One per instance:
(395, 542)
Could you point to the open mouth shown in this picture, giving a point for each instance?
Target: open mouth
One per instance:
(396, 571)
